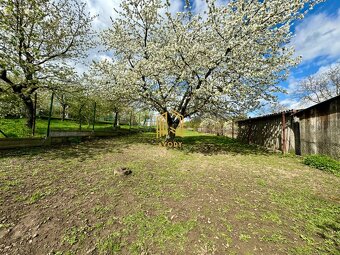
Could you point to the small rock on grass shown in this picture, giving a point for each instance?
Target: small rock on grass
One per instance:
(122, 171)
(91, 251)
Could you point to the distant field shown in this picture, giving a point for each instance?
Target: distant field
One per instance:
(17, 127)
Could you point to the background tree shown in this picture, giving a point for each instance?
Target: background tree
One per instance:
(270, 108)
(115, 97)
(37, 38)
(63, 99)
(212, 126)
(10, 106)
(225, 60)
(320, 87)
(194, 123)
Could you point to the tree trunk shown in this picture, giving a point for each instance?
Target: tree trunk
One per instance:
(28, 102)
(79, 116)
(34, 114)
(172, 126)
(63, 113)
(171, 132)
(115, 122)
(29, 110)
(63, 106)
(170, 137)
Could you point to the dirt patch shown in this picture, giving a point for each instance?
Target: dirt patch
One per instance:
(68, 200)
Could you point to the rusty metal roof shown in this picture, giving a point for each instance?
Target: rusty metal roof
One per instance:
(272, 115)
(292, 111)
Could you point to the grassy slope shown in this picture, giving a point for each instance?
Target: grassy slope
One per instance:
(214, 196)
(17, 128)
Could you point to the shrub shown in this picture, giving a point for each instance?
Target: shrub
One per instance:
(323, 163)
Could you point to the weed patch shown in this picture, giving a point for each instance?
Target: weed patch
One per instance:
(323, 163)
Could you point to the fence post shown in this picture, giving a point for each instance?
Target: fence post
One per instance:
(3, 134)
(283, 133)
(138, 120)
(50, 115)
(232, 129)
(80, 108)
(63, 107)
(94, 115)
(130, 121)
(34, 114)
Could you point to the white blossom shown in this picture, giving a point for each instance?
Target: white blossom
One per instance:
(223, 61)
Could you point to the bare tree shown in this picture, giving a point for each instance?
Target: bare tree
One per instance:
(321, 86)
(334, 77)
(271, 107)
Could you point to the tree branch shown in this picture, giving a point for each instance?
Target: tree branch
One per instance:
(4, 77)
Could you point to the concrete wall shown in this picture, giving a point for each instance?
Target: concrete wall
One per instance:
(267, 131)
(315, 130)
(88, 133)
(11, 143)
(57, 137)
(320, 128)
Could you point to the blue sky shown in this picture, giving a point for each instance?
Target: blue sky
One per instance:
(317, 38)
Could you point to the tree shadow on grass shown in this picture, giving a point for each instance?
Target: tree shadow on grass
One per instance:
(87, 149)
(212, 145)
(81, 149)
(205, 144)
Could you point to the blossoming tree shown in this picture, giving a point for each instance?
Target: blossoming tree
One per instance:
(223, 60)
(38, 37)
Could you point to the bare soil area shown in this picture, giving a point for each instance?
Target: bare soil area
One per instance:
(212, 196)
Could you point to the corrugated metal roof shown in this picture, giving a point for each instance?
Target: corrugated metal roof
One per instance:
(319, 104)
(292, 111)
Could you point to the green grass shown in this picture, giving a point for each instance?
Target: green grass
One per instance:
(213, 196)
(244, 237)
(158, 230)
(74, 235)
(36, 197)
(210, 144)
(111, 244)
(324, 163)
(17, 127)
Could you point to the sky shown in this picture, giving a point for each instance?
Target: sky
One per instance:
(317, 39)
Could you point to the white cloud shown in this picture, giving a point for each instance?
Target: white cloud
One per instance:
(291, 103)
(200, 6)
(318, 36)
(326, 68)
(104, 9)
(176, 6)
(293, 82)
